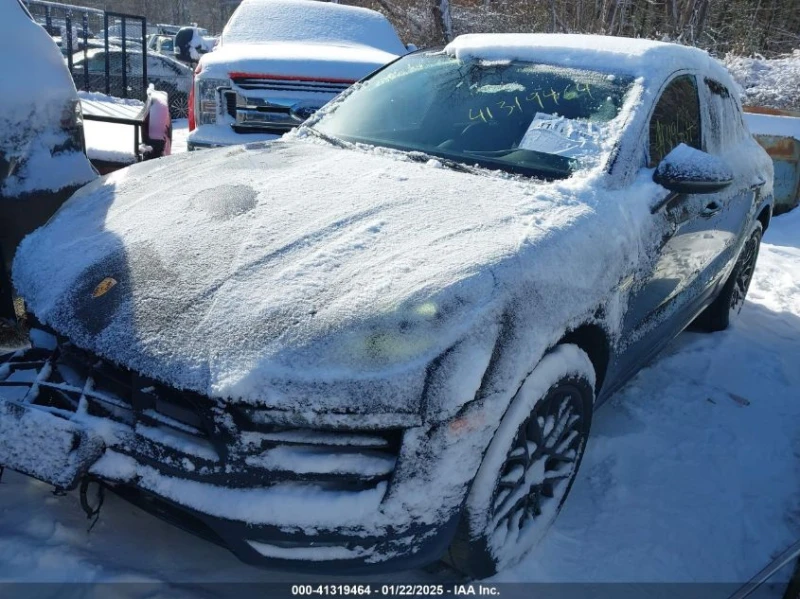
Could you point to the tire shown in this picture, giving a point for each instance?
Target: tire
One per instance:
(178, 105)
(717, 317)
(509, 508)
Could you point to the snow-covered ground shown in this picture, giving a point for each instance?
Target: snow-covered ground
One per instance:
(768, 82)
(692, 474)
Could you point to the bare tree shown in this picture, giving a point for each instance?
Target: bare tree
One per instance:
(768, 27)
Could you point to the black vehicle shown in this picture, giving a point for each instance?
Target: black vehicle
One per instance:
(379, 341)
(165, 73)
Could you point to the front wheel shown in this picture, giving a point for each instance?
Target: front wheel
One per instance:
(529, 467)
(717, 316)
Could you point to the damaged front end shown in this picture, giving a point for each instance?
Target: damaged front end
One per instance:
(276, 488)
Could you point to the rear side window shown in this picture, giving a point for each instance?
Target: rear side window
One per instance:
(676, 119)
(724, 122)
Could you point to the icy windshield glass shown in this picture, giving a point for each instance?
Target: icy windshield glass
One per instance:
(521, 117)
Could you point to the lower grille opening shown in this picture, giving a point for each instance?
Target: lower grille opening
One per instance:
(185, 435)
(165, 510)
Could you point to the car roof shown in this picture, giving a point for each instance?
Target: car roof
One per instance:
(635, 56)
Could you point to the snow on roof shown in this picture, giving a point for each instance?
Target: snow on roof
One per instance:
(635, 56)
(261, 21)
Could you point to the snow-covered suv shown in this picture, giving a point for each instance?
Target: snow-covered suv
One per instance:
(380, 339)
(278, 61)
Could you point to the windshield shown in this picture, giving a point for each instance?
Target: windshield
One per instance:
(520, 117)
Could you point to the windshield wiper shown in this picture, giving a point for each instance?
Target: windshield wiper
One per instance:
(418, 156)
(413, 155)
(334, 141)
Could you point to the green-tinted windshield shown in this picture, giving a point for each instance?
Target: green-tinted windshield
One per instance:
(521, 117)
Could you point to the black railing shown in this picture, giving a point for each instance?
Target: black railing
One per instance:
(104, 51)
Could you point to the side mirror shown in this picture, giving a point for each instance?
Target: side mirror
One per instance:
(687, 170)
(411, 47)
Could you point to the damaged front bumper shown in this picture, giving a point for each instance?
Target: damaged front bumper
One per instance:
(273, 490)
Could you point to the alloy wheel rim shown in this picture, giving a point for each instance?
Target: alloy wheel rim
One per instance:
(180, 107)
(541, 462)
(744, 276)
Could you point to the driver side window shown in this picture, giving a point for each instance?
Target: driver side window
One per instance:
(675, 120)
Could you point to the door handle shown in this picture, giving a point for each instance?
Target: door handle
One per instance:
(711, 209)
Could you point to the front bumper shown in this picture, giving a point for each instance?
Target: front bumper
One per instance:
(326, 552)
(200, 466)
(219, 136)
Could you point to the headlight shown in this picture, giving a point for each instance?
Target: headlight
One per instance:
(410, 334)
(207, 99)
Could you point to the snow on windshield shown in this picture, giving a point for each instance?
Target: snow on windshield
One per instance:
(263, 21)
(526, 118)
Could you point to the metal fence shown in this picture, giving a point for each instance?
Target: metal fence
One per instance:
(105, 51)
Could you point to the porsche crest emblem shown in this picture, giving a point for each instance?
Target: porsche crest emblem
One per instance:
(104, 287)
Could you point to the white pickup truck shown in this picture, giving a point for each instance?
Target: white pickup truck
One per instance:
(277, 62)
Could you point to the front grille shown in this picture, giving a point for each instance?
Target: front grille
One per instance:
(292, 85)
(362, 458)
(187, 435)
(229, 98)
(259, 104)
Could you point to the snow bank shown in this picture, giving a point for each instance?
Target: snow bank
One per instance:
(768, 82)
(262, 21)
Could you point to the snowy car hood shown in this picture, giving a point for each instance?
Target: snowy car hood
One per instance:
(291, 59)
(234, 271)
